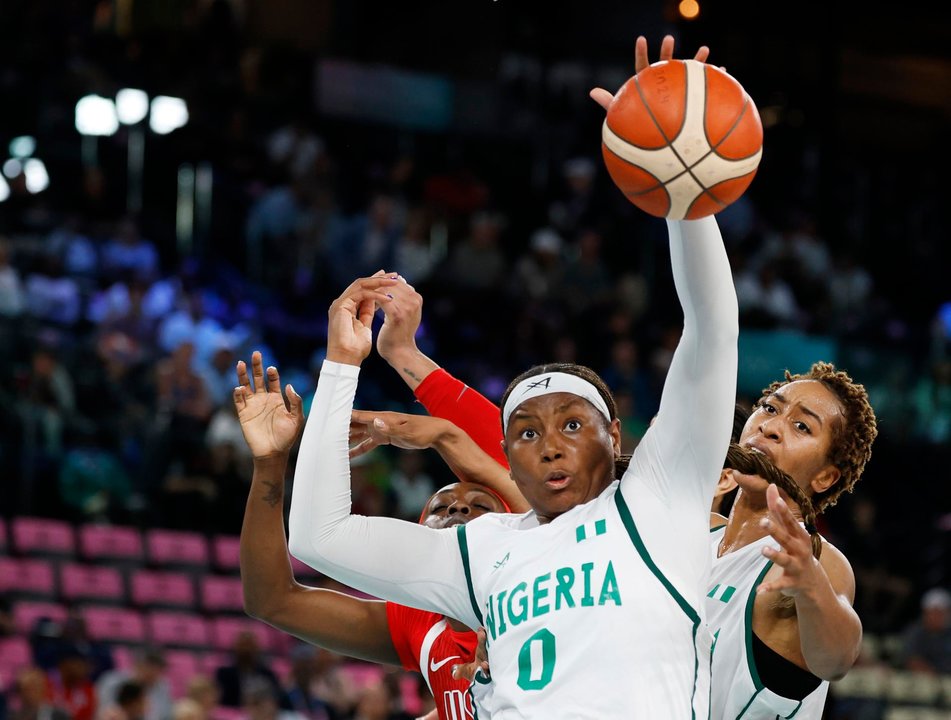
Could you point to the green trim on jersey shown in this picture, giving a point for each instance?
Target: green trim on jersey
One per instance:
(718, 527)
(464, 552)
(690, 612)
(631, 528)
(747, 707)
(748, 629)
(798, 708)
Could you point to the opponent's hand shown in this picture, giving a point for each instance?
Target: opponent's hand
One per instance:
(604, 98)
(801, 570)
(370, 429)
(467, 671)
(401, 319)
(349, 334)
(270, 423)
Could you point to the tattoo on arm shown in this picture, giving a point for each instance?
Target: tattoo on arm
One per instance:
(274, 493)
(412, 374)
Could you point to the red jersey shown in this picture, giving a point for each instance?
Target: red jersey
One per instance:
(425, 643)
(446, 397)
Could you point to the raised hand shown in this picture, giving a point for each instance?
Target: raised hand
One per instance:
(349, 335)
(604, 98)
(401, 319)
(270, 423)
(411, 432)
(801, 570)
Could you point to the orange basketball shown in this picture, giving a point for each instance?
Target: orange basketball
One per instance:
(682, 140)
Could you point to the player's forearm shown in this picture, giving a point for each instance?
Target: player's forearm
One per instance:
(266, 575)
(699, 393)
(829, 630)
(377, 555)
(411, 364)
(467, 460)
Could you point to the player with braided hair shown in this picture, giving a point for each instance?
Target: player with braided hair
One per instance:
(782, 616)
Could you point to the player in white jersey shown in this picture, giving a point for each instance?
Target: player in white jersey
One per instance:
(593, 600)
(779, 603)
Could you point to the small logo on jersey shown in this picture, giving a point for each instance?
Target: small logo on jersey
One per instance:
(599, 527)
(538, 383)
(434, 666)
(725, 595)
(501, 562)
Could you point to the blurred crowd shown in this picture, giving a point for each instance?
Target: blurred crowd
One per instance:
(121, 334)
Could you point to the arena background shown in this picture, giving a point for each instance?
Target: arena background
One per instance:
(453, 142)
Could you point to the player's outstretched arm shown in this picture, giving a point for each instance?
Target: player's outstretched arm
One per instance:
(830, 631)
(369, 429)
(341, 623)
(377, 555)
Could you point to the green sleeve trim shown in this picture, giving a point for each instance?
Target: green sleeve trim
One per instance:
(748, 628)
(464, 552)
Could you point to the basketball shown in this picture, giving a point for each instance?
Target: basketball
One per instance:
(682, 140)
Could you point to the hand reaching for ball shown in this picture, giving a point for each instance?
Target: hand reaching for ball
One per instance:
(604, 98)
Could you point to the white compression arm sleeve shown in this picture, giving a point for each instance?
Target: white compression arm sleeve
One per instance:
(391, 559)
(682, 453)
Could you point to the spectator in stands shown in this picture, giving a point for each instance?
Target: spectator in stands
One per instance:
(129, 252)
(12, 297)
(34, 704)
(927, 641)
(70, 685)
(362, 245)
(147, 673)
(51, 295)
(92, 481)
(247, 665)
(49, 400)
(478, 263)
(410, 485)
(204, 692)
(130, 703)
(587, 281)
(377, 702)
(261, 702)
(538, 274)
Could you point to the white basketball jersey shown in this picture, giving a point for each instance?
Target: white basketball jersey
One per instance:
(737, 689)
(546, 594)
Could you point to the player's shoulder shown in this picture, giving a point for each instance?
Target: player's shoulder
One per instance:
(838, 568)
(500, 522)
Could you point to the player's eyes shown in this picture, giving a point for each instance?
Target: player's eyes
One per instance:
(802, 427)
(528, 434)
(484, 507)
(572, 425)
(439, 508)
(768, 408)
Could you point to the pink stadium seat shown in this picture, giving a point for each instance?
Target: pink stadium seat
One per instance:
(281, 667)
(179, 629)
(115, 624)
(123, 657)
(183, 665)
(15, 655)
(162, 588)
(226, 550)
(27, 577)
(220, 594)
(90, 582)
(211, 661)
(107, 542)
(3, 536)
(26, 613)
(176, 547)
(39, 536)
(224, 630)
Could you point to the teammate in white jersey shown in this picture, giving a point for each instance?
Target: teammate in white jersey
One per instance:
(593, 600)
(782, 616)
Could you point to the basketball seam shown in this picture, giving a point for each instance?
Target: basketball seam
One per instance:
(670, 144)
(713, 148)
(658, 182)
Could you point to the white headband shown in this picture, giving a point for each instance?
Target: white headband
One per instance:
(556, 382)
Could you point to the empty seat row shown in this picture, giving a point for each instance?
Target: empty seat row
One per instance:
(74, 582)
(41, 536)
(161, 627)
